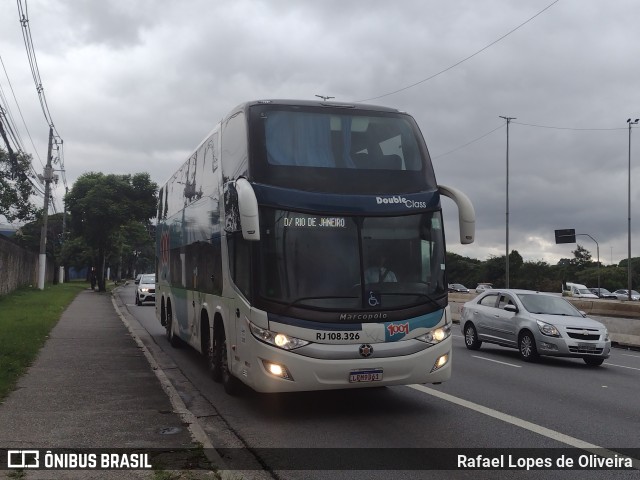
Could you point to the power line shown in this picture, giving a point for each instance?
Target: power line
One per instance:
(469, 142)
(54, 139)
(33, 63)
(464, 59)
(20, 111)
(570, 128)
(574, 129)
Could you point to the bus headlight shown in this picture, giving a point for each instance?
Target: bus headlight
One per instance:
(280, 340)
(436, 336)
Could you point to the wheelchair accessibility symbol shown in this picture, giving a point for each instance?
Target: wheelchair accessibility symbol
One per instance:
(374, 299)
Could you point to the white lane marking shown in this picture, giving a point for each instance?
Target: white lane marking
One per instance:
(497, 361)
(629, 355)
(621, 366)
(518, 422)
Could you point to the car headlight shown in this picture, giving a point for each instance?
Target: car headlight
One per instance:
(606, 335)
(436, 335)
(548, 329)
(144, 289)
(280, 340)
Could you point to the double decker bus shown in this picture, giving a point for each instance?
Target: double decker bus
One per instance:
(301, 247)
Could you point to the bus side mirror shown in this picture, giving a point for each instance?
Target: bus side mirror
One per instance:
(248, 208)
(466, 213)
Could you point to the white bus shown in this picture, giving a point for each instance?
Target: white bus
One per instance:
(301, 247)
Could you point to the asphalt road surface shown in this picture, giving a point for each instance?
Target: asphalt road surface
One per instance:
(494, 400)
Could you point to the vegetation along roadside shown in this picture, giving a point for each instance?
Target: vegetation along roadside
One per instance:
(26, 318)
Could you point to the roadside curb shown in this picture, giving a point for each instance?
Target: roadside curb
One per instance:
(197, 432)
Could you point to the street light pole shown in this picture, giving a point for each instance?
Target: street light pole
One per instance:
(506, 273)
(630, 122)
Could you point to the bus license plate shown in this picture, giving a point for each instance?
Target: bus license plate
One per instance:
(373, 375)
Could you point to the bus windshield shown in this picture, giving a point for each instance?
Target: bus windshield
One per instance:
(342, 150)
(351, 262)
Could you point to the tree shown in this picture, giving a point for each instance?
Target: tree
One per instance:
(15, 186)
(462, 270)
(29, 236)
(101, 205)
(582, 257)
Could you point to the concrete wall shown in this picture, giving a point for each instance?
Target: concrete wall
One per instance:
(19, 267)
(622, 318)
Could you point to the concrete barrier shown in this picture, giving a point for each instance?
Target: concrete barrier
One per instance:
(622, 318)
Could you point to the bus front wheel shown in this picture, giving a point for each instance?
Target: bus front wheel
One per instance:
(220, 368)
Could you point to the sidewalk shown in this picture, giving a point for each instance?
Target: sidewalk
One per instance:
(90, 387)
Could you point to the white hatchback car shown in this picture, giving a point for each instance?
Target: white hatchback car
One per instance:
(536, 324)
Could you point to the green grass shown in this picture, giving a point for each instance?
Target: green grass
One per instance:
(26, 318)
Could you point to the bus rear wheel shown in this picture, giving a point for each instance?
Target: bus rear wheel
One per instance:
(214, 362)
(171, 336)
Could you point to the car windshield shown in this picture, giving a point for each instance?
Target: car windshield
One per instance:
(148, 279)
(548, 305)
(584, 291)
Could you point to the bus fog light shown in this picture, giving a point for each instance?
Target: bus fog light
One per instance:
(441, 362)
(277, 370)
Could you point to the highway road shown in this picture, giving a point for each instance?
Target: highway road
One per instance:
(493, 401)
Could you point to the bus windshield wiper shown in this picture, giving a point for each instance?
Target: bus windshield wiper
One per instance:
(329, 297)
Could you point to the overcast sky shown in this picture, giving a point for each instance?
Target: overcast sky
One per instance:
(134, 86)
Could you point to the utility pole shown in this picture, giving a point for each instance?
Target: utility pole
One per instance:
(64, 225)
(506, 274)
(48, 176)
(629, 283)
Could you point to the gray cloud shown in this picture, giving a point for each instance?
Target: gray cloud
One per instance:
(134, 86)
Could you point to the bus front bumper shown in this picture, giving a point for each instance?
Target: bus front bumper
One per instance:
(275, 370)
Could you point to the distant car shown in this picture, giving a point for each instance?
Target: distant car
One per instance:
(623, 294)
(137, 280)
(483, 286)
(536, 324)
(146, 289)
(458, 287)
(603, 293)
(577, 290)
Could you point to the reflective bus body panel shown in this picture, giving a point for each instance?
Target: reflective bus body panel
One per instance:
(325, 215)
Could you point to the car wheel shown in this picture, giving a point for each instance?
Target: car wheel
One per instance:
(593, 361)
(174, 341)
(527, 347)
(471, 337)
(137, 300)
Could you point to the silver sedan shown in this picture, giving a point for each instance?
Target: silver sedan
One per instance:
(536, 324)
